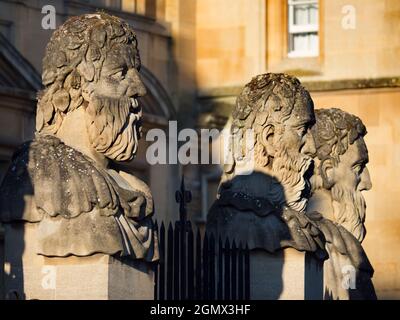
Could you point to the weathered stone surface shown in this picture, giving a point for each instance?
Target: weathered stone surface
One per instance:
(266, 208)
(340, 168)
(87, 114)
(279, 111)
(340, 176)
(80, 207)
(62, 183)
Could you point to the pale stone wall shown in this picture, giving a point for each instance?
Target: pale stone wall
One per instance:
(26, 33)
(230, 41)
(237, 39)
(371, 49)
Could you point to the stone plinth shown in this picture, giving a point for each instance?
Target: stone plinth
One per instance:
(285, 275)
(30, 276)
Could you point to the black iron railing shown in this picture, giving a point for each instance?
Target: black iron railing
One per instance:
(193, 266)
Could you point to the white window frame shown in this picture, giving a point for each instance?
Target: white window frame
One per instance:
(298, 29)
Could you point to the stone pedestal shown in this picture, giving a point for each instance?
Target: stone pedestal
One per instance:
(285, 275)
(30, 276)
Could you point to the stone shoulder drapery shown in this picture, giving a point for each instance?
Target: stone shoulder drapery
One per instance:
(80, 208)
(256, 222)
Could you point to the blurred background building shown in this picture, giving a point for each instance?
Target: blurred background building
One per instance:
(198, 54)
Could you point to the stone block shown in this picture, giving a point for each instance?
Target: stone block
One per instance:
(98, 277)
(286, 275)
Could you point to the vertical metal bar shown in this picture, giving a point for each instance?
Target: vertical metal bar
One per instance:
(190, 270)
(176, 261)
(170, 262)
(220, 270)
(183, 259)
(182, 197)
(205, 266)
(211, 270)
(161, 287)
(233, 271)
(240, 273)
(156, 273)
(227, 277)
(247, 273)
(198, 266)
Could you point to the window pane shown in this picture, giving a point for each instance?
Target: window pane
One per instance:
(300, 15)
(313, 43)
(313, 12)
(303, 28)
(300, 42)
(304, 44)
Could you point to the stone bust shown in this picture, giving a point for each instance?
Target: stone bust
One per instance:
(340, 176)
(87, 117)
(265, 209)
(341, 172)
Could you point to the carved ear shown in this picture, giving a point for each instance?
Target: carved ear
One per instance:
(267, 139)
(326, 172)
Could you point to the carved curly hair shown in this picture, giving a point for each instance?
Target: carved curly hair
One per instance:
(270, 98)
(270, 95)
(74, 56)
(334, 131)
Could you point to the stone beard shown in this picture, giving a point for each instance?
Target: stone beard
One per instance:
(350, 209)
(290, 172)
(113, 129)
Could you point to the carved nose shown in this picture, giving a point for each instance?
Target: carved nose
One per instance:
(137, 88)
(309, 145)
(365, 183)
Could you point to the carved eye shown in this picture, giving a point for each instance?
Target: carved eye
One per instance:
(358, 169)
(120, 75)
(301, 131)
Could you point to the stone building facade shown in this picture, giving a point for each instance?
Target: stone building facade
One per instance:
(197, 54)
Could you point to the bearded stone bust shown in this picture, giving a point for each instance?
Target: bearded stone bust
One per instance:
(340, 176)
(87, 117)
(341, 173)
(265, 209)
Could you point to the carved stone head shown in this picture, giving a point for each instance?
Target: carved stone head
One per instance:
(280, 112)
(92, 62)
(340, 166)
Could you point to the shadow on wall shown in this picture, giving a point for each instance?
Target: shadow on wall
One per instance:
(15, 189)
